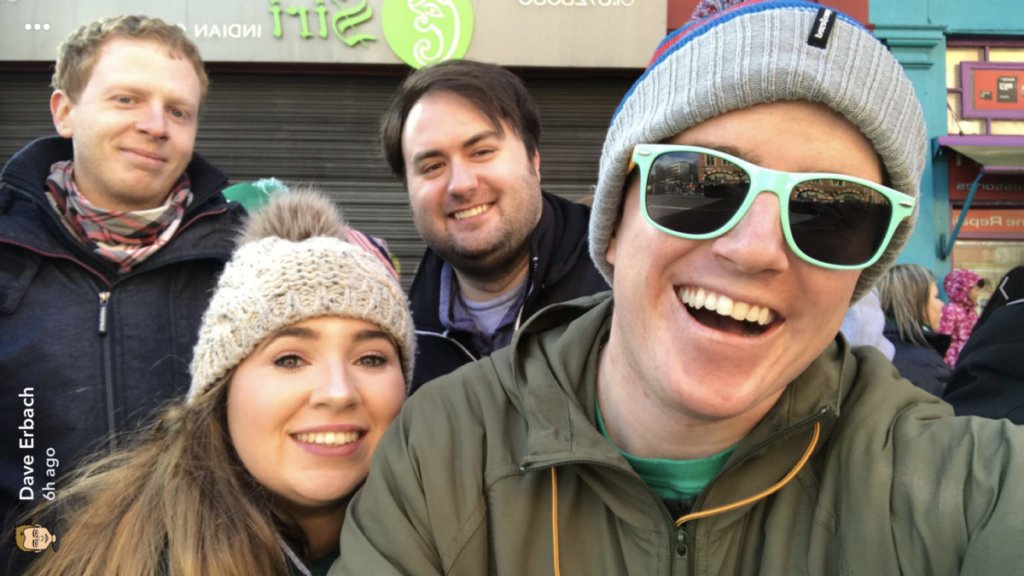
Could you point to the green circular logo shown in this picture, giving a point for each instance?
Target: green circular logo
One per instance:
(424, 32)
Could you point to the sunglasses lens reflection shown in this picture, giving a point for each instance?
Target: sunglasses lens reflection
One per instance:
(838, 222)
(694, 193)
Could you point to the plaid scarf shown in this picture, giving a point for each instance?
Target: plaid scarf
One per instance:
(125, 238)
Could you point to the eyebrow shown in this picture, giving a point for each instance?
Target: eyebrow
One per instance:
(475, 139)
(291, 332)
(310, 334)
(481, 136)
(364, 335)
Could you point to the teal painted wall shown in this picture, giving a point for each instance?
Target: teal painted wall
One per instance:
(921, 49)
(1003, 17)
(916, 32)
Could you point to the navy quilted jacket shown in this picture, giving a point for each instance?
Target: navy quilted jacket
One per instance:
(86, 353)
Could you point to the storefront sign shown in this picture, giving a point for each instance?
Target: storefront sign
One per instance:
(963, 171)
(562, 33)
(988, 221)
(993, 90)
(343, 22)
(423, 32)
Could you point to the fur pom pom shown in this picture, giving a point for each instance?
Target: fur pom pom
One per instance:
(295, 216)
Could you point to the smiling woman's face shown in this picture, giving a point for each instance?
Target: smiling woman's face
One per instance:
(715, 368)
(307, 408)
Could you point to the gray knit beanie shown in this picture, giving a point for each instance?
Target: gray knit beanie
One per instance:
(735, 54)
(294, 263)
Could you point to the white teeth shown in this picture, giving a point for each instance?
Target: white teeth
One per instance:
(471, 212)
(698, 298)
(328, 439)
(724, 306)
(684, 295)
(753, 313)
(712, 302)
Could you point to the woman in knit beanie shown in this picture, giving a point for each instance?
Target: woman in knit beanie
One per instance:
(303, 360)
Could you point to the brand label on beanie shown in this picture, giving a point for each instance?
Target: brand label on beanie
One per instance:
(822, 28)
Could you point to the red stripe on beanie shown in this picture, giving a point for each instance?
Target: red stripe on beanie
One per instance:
(684, 32)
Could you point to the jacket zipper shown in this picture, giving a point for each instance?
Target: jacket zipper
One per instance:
(743, 457)
(533, 278)
(104, 297)
(681, 532)
(684, 534)
(107, 363)
(452, 340)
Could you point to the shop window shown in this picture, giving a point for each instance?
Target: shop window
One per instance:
(990, 258)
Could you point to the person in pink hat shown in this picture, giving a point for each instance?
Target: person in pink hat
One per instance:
(959, 316)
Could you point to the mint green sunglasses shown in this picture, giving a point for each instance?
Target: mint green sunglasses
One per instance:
(830, 220)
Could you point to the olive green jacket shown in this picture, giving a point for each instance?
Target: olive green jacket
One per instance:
(461, 483)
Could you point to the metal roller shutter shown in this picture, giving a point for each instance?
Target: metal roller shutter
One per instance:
(24, 110)
(322, 129)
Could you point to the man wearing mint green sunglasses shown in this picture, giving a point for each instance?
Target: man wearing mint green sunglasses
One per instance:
(706, 417)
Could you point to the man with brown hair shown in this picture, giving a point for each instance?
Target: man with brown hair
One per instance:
(111, 237)
(463, 136)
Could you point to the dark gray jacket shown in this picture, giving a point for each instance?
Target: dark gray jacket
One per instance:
(87, 353)
(922, 365)
(989, 376)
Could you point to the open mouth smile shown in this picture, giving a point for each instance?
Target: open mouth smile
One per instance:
(720, 312)
(471, 212)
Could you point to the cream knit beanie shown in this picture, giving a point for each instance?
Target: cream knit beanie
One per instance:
(732, 55)
(293, 263)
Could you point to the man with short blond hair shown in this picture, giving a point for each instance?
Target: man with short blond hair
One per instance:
(111, 236)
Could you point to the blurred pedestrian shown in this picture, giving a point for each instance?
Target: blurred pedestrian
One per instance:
(864, 324)
(989, 377)
(1010, 289)
(910, 299)
(960, 315)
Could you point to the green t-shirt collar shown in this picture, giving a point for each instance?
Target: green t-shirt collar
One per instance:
(672, 479)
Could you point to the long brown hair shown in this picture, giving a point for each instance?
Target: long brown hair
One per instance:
(177, 501)
(904, 292)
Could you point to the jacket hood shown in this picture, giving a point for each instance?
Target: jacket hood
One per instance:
(958, 284)
(1009, 289)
